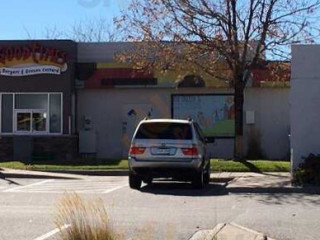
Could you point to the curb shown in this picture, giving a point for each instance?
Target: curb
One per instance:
(207, 234)
(35, 176)
(220, 232)
(72, 174)
(94, 172)
(260, 236)
(16, 173)
(12, 173)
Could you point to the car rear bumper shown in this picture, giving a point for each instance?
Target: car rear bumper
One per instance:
(165, 168)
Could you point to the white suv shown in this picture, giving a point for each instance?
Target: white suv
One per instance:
(168, 148)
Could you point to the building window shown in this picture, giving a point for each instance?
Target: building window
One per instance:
(31, 113)
(7, 113)
(55, 116)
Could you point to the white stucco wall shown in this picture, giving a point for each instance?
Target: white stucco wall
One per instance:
(305, 102)
(272, 123)
(105, 109)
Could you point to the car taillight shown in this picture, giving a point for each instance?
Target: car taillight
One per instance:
(192, 151)
(137, 150)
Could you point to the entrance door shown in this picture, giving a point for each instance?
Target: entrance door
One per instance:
(132, 114)
(23, 121)
(31, 121)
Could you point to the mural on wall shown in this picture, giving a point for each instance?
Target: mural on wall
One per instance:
(112, 74)
(192, 78)
(214, 113)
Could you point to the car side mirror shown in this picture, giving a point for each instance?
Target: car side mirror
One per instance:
(210, 139)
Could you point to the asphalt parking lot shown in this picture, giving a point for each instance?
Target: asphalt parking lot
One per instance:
(165, 210)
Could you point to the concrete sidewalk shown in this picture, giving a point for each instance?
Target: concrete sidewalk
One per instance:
(249, 179)
(255, 180)
(229, 231)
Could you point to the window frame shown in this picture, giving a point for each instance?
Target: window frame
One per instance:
(15, 111)
(31, 112)
(199, 132)
(15, 122)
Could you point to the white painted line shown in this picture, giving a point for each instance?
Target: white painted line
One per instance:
(96, 191)
(114, 189)
(26, 186)
(51, 233)
(44, 191)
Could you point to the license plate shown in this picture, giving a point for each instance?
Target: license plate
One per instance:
(163, 151)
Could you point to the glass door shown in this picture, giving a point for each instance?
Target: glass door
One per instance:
(31, 121)
(23, 121)
(39, 121)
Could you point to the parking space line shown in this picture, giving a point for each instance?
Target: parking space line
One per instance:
(53, 232)
(29, 185)
(114, 189)
(40, 191)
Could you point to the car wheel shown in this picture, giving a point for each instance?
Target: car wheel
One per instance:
(134, 181)
(207, 175)
(148, 180)
(198, 181)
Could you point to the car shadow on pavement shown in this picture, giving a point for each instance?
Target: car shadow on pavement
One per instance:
(216, 187)
(273, 195)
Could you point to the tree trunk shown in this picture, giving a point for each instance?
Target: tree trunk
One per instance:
(239, 100)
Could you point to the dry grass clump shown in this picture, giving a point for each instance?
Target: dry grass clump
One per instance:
(78, 219)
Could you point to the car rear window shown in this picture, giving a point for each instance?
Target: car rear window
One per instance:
(176, 131)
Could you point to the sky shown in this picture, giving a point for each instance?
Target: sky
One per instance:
(22, 19)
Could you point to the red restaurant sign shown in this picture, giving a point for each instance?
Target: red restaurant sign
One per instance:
(31, 59)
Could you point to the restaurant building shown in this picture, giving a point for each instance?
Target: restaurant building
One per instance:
(61, 100)
(37, 93)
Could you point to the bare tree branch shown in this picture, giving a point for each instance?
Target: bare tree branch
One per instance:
(218, 36)
(89, 30)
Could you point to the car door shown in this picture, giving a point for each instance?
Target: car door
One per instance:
(201, 141)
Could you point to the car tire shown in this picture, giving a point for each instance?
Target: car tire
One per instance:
(207, 175)
(148, 180)
(134, 181)
(198, 181)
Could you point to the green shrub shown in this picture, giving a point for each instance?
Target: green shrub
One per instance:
(308, 172)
